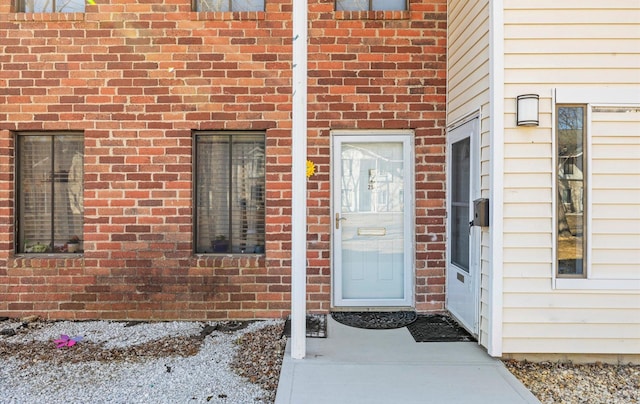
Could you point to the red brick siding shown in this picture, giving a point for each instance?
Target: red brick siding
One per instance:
(138, 78)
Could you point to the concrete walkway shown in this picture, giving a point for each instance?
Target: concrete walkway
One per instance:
(356, 366)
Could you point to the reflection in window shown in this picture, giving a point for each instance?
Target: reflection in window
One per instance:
(50, 190)
(570, 183)
(229, 5)
(51, 6)
(229, 198)
(372, 177)
(370, 5)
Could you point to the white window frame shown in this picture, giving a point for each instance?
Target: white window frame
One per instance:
(592, 98)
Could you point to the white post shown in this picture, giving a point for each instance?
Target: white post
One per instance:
(299, 182)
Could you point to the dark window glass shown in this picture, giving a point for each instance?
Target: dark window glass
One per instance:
(50, 202)
(229, 194)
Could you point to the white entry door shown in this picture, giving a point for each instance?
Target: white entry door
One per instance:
(463, 239)
(372, 219)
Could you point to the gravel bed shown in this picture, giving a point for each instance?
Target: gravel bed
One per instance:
(594, 383)
(217, 362)
(116, 362)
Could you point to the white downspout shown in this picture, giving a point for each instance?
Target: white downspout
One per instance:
(496, 95)
(299, 182)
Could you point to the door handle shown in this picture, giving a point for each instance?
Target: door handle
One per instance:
(338, 219)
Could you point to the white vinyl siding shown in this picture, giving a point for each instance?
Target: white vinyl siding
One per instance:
(582, 46)
(615, 193)
(468, 92)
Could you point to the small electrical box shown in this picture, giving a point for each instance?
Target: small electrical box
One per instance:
(481, 212)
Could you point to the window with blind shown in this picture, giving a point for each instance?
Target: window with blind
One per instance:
(50, 203)
(51, 6)
(229, 5)
(229, 192)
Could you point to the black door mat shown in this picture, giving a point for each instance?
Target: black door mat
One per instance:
(316, 326)
(438, 328)
(375, 320)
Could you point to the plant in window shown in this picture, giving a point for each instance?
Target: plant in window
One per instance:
(73, 245)
(220, 244)
(49, 191)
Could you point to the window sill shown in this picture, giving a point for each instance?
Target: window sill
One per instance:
(373, 15)
(596, 284)
(229, 16)
(42, 17)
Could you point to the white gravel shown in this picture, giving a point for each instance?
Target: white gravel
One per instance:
(205, 377)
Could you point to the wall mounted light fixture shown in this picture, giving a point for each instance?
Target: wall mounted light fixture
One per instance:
(527, 110)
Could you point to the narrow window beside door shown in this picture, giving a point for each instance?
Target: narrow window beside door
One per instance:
(570, 185)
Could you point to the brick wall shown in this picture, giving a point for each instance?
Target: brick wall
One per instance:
(137, 77)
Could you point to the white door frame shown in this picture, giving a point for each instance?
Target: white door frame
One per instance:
(470, 318)
(368, 136)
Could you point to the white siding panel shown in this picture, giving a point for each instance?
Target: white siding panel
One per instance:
(529, 254)
(569, 16)
(539, 210)
(585, 315)
(527, 225)
(575, 300)
(590, 330)
(468, 57)
(583, 46)
(564, 61)
(625, 226)
(616, 181)
(535, 240)
(605, 151)
(621, 212)
(531, 180)
(468, 91)
(527, 195)
(579, 344)
(529, 270)
(559, 46)
(571, 76)
(618, 271)
(533, 34)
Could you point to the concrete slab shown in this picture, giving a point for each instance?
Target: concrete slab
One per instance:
(354, 366)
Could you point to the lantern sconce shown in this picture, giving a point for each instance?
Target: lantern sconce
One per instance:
(527, 110)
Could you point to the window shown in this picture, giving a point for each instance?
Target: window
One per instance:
(50, 203)
(51, 6)
(570, 184)
(229, 5)
(370, 5)
(229, 192)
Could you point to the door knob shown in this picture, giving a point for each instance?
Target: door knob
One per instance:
(338, 219)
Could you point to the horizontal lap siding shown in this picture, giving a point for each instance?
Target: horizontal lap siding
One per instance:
(570, 45)
(615, 183)
(468, 91)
